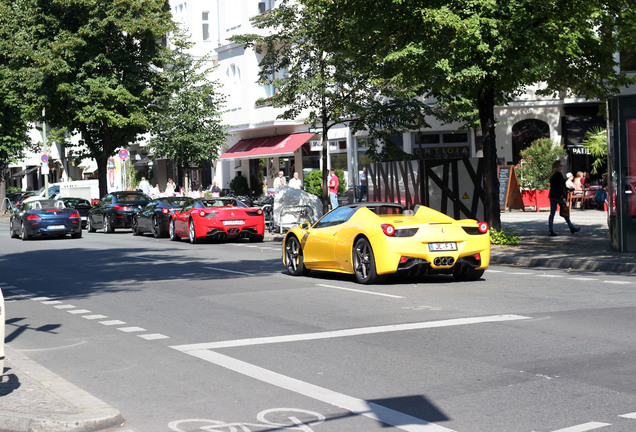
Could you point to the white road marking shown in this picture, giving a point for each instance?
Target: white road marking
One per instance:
(51, 302)
(583, 278)
(40, 298)
(66, 306)
(78, 311)
(112, 322)
(584, 427)
(92, 317)
(154, 336)
(354, 405)
(629, 415)
(3, 284)
(147, 259)
(228, 271)
(550, 275)
(360, 291)
(494, 271)
(12, 288)
(520, 273)
(349, 332)
(618, 282)
(131, 329)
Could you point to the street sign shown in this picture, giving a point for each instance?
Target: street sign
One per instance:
(44, 158)
(123, 154)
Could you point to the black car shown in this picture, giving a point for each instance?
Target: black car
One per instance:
(80, 204)
(44, 218)
(116, 210)
(155, 217)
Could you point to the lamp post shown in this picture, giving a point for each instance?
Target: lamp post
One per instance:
(44, 167)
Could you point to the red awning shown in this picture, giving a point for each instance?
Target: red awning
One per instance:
(267, 146)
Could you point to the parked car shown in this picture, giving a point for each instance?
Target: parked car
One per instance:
(155, 217)
(80, 204)
(44, 218)
(217, 218)
(116, 210)
(372, 240)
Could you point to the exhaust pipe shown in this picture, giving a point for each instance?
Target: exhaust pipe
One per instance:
(444, 261)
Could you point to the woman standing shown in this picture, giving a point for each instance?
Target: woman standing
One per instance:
(557, 195)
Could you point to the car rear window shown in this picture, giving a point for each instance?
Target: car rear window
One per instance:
(135, 198)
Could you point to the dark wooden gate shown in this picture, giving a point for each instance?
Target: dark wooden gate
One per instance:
(453, 187)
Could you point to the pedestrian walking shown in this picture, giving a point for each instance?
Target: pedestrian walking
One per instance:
(363, 184)
(333, 188)
(558, 192)
(144, 186)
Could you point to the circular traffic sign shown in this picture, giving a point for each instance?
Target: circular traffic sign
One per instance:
(44, 158)
(123, 154)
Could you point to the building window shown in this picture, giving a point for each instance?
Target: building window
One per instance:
(233, 79)
(265, 6)
(205, 26)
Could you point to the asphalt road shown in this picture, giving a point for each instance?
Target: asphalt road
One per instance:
(217, 337)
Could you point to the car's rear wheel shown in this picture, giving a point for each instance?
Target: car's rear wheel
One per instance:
(467, 274)
(192, 234)
(135, 227)
(364, 262)
(108, 226)
(77, 234)
(156, 229)
(23, 232)
(294, 260)
(173, 234)
(89, 225)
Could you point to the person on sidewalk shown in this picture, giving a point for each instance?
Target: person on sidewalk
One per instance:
(333, 188)
(557, 195)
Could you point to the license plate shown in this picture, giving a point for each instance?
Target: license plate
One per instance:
(451, 246)
(233, 222)
(56, 227)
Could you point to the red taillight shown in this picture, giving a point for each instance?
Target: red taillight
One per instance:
(403, 259)
(74, 216)
(259, 212)
(119, 208)
(483, 227)
(477, 257)
(33, 217)
(202, 213)
(165, 211)
(388, 229)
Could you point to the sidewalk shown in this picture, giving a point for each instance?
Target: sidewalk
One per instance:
(33, 399)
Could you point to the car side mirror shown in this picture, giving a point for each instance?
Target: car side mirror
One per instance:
(305, 226)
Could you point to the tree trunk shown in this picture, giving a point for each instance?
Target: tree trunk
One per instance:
(325, 169)
(486, 104)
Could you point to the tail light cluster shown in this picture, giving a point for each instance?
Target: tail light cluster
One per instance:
(483, 227)
(121, 208)
(75, 216)
(33, 217)
(388, 229)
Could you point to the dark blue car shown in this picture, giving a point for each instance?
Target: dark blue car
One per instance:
(155, 217)
(41, 218)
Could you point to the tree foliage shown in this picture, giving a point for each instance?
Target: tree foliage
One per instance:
(312, 78)
(596, 142)
(14, 113)
(472, 55)
(95, 68)
(535, 166)
(186, 126)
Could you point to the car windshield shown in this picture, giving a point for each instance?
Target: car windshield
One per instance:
(222, 202)
(335, 217)
(45, 205)
(135, 197)
(72, 202)
(175, 202)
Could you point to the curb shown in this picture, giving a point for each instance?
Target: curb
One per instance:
(59, 405)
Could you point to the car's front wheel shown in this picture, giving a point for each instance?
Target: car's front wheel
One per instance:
(108, 226)
(135, 227)
(173, 234)
(364, 262)
(89, 225)
(294, 259)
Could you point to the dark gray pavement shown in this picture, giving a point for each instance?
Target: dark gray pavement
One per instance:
(33, 399)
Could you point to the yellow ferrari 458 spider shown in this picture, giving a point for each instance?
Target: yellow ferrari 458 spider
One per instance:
(372, 240)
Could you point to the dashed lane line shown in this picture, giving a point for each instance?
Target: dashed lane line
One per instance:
(360, 291)
(584, 427)
(229, 271)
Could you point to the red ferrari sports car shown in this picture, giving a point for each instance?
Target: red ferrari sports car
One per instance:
(217, 218)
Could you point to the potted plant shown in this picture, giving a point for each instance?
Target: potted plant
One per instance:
(533, 171)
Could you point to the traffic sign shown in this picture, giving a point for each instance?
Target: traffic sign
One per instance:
(123, 154)
(44, 158)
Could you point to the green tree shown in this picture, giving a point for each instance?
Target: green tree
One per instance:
(535, 166)
(14, 113)
(313, 182)
(186, 127)
(95, 66)
(596, 142)
(472, 55)
(310, 76)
